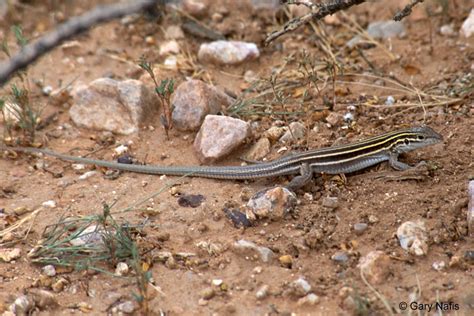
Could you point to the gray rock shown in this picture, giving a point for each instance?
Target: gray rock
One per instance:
(375, 266)
(115, 106)
(340, 257)
(447, 30)
(295, 132)
(42, 298)
(300, 287)
(413, 237)
(274, 132)
(359, 228)
(272, 203)
(259, 150)
(218, 136)
(385, 29)
(330, 202)
(250, 248)
(227, 52)
(262, 292)
(193, 100)
(310, 299)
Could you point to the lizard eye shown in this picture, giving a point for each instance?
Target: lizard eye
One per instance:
(421, 137)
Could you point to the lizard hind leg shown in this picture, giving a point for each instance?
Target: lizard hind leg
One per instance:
(306, 174)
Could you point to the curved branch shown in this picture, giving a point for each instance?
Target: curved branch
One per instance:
(74, 26)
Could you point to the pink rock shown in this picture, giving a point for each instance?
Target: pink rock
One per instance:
(218, 136)
(193, 100)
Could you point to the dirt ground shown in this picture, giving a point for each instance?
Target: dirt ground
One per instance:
(424, 59)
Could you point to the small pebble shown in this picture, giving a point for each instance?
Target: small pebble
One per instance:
(50, 204)
(439, 265)
(390, 100)
(127, 307)
(286, 261)
(340, 257)
(262, 292)
(330, 202)
(121, 269)
(359, 228)
(49, 270)
(208, 293)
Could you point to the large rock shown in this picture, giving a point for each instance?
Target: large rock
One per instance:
(218, 136)
(193, 100)
(115, 106)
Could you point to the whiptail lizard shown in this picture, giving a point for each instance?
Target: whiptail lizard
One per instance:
(332, 160)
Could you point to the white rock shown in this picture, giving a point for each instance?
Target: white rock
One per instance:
(390, 100)
(49, 270)
(171, 62)
(11, 112)
(262, 292)
(447, 30)
(121, 269)
(467, 28)
(49, 203)
(9, 254)
(168, 48)
(228, 52)
(88, 175)
(413, 237)
(121, 150)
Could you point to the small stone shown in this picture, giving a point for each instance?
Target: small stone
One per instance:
(11, 112)
(171, 63)
(274, 133)
(286, 261)
(340, 257)
(447, 30)
(359, 228)
(310, 299)
(203, 302)
(50, 204)
(348, 117)
(196, 8)
(193, 100)
(375, 266)
(174, 32)
(218, 136)
(259, 150)
(217, 282)
(250, 76)
(120, 150)
(295, 132)
(22, 305)
(169, 48)
(390, 100)
(314, 238)
(127, 307)
(9, 254)
(121, 269)
(217, 17)
(413, 237)
(469, 256)
(47, 90)
(49, 270)
(272, 203)
(227, 52)
(386, 29)
(247, 247)
(42, 298)
(262, 292)
(334, 118)
(59, 285)
(467, 28)
(208, 293)
(300, 287)
(439, 265)
(373, 219)
(330, 202)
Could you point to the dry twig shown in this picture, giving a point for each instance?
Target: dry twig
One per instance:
(74, 26)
